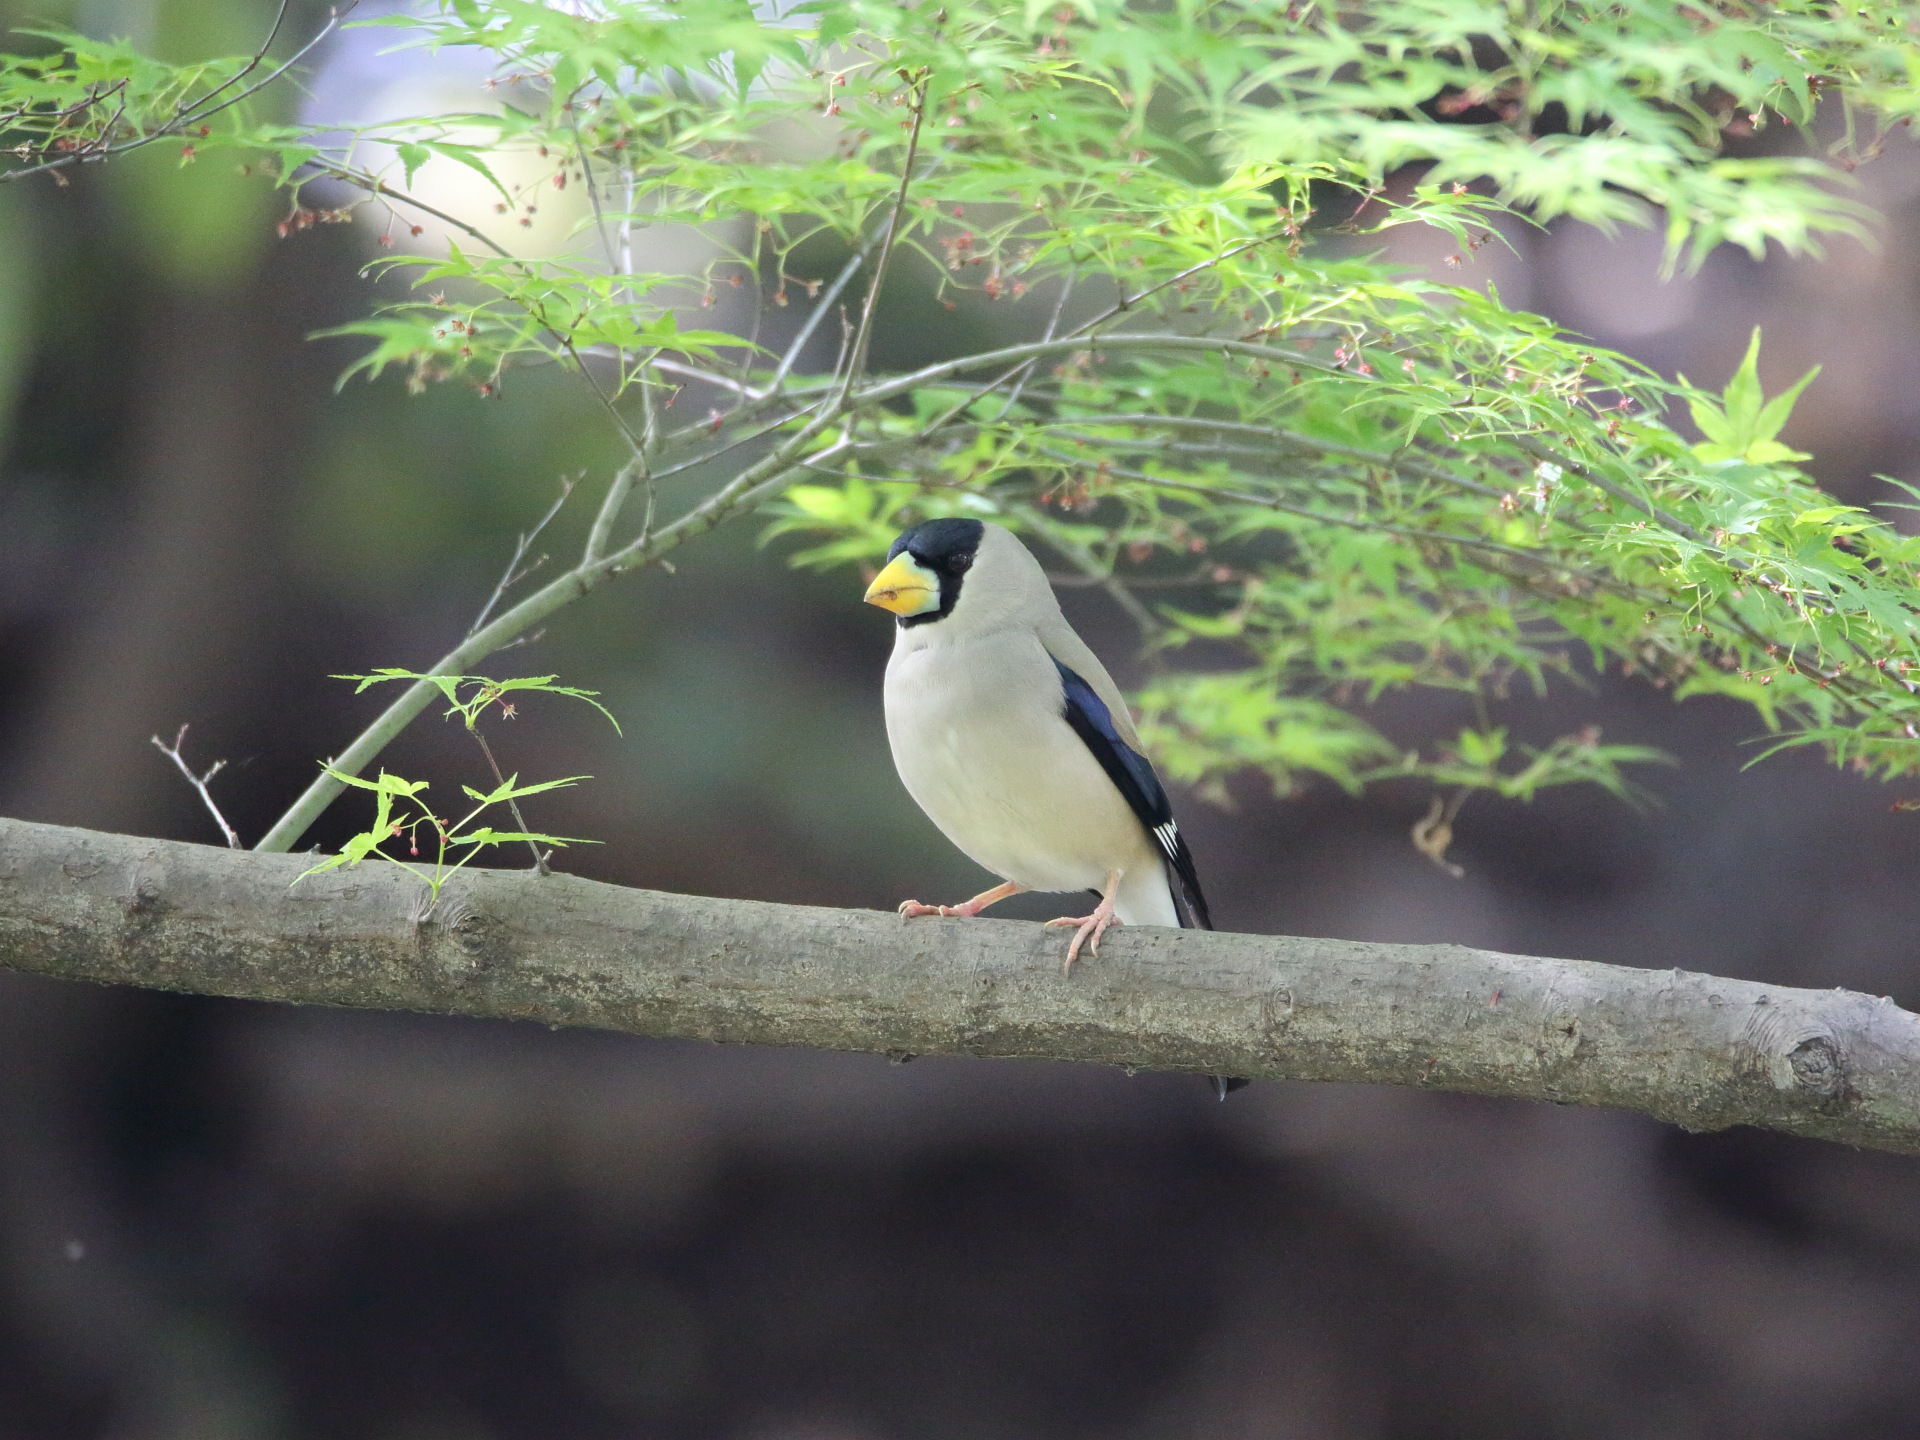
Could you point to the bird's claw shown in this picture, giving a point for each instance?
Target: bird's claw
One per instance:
(1090, 929)
(913, 910)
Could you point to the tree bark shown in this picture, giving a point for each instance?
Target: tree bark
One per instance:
(1698, 1050)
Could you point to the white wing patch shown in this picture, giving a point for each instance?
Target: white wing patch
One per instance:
(1169, 837)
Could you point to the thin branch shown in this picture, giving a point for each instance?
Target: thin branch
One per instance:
(513, 574)
(513, 805)
(751, 346)
(635, 443)
(611, 504)
(707, 457)
(826, 302)
(1126, 302)
(1530, 560)
(199, 782)
(753, 398)
(743, 492)
(1405, 460)
(365, 180)
(846, 346)
(1025, 372)
(191, 114)
(863, 335)
(273, 33)
(334, 17)
(620, 265)
(593, 194)
(1079, 580)
(649, 411)
(1605, 486)
(1120, 342)
(710, 377)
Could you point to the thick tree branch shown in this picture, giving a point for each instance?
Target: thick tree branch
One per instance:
(1697, 1050)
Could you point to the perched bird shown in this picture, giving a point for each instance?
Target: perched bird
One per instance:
(1008, 731)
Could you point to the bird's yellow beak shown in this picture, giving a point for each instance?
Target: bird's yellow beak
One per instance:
(906, 587)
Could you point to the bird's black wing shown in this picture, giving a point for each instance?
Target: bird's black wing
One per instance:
(1133, 774)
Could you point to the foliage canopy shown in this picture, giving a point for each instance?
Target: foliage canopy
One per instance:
(1328, 479)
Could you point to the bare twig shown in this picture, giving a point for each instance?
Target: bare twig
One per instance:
(593, 194)
(259, 55)
(1025, 372)
(846, 345)
(751, 340)
(634, 442)
(199, 782)
(1018, 374)
(1080, 580)
(334, 18)
(1407, 460)
(889, 242)
(539, 858)
(620, 264)
(828, 299)
(364, 180)
(513, 574)
(709, 377)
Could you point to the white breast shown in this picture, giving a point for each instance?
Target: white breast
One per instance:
(978, 735)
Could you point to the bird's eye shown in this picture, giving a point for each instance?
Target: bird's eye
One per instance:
(960, 563)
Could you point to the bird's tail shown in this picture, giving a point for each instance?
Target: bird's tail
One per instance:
(1191, 906)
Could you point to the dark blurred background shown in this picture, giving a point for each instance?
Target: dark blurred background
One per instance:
(226, 1221)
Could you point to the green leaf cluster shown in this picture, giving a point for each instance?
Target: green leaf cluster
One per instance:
(472, 696)
(1314, 480)
(1743, 428)
(400, 814)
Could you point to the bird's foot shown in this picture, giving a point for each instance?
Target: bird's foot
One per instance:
(1090, 929)
(913, 909)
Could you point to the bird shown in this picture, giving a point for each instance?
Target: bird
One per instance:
(1010, 734)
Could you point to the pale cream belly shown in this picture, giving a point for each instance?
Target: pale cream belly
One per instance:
(1012, 787)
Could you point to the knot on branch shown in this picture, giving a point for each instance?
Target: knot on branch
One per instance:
(1817, 1065)
(479, 940)
(1800, 1055)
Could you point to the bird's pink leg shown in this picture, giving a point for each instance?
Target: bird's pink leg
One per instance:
(1093, 926)
(910, 909)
